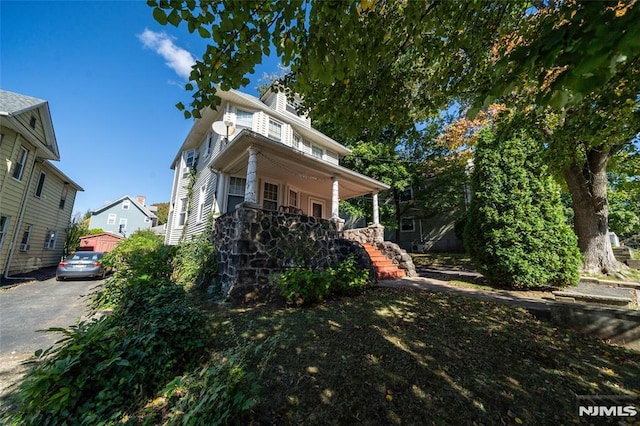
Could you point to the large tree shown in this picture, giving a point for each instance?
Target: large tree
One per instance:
(371, 63)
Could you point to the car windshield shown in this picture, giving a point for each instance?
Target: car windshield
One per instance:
(85, 256)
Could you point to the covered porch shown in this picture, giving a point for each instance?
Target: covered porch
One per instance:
(278, 177)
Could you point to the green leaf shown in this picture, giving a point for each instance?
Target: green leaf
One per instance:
(160, 16)
(204, 33)
(174, 18)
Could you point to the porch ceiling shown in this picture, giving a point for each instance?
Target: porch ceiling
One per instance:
(283, 164)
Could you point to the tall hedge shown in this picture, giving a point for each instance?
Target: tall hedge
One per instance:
(516, 232)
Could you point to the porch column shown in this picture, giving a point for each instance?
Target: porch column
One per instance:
(376, 210)
(335, 198)
(250, 190)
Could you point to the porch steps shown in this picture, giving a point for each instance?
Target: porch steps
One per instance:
(385, 268)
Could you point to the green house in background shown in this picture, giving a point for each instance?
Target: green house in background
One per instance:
(36, 198)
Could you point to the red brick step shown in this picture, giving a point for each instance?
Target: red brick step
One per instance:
(385, 268)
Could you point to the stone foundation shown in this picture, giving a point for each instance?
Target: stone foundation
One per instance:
(253, 244)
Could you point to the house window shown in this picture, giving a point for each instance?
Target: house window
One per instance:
(50, 240)
(406, 194)
(236, 192)
(182, 216)
(293, 198)
(63, 196)
(209, 145)
(317, 208)
(26, 236)
(18, 168)
(189, 161)
(201, 200)
(407, 224)
(270, 196)
(147, 219)
(32, 122)
(40, 186)
(292, 108)
(122, 226)
(126, 204)
(111, 219)
(244, 119)
(275, 130)
(297, 142)
(4, 224)
(316, 151)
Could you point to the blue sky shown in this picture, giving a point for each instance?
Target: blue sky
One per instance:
(112, 77)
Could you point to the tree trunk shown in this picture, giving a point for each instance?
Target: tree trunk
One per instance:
(587, 182)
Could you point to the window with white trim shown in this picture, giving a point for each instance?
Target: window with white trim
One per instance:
(182, 215)
(111, 219)
(63, 196)
(21, 161)
(316, 151)
(270, 196)
(275, 130)
(407, 224)
(50, 240)
(244, 119)
(293, 198)
(208, 147)
(297, 141)
(189, 161)
(201, 200)
(40, 186)
(235, 195)
(26, 237)
(4, 224)
(126, 204)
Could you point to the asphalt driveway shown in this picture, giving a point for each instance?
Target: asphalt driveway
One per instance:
(28, 307)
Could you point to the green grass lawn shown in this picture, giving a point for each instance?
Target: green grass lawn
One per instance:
(411, 357)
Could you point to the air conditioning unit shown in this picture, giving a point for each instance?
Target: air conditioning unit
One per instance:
(24, 247)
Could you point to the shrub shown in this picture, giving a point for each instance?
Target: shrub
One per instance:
(308, 286)
(103, 369)
(516, 233)
(195, 262)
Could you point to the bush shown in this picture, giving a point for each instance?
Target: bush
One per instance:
(516, 233)
(195, 262)
(104, 369)
(308, 286)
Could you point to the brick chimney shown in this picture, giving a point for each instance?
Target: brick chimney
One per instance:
(141, 199)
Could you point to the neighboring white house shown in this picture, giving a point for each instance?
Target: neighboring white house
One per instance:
(273, 159)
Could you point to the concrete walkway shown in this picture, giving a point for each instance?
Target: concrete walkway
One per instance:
(536, 306)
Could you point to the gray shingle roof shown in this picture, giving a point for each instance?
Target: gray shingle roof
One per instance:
(15, 103)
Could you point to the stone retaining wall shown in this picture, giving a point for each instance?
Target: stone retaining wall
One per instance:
(253, 244)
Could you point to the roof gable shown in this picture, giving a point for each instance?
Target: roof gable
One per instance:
(135, 203)
(31, 118)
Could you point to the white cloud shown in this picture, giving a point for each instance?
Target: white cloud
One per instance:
(177, 58)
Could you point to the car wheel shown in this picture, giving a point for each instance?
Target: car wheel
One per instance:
(58, 278)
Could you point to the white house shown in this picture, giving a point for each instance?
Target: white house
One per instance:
(273, 159)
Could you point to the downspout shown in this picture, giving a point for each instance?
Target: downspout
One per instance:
(25, 199)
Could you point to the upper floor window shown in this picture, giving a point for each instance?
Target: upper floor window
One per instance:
(189, 161)
(297, 141)
(50, 240)
(244, 119)
(40, 186)
(275, 130)
(201, 200)
(407, 224)
(111, 219)
(32, 122)
(63, 196)
(292, 108)
(316, 151)
(208, 147)
(406, 194)
(21, 161)
(126, 204)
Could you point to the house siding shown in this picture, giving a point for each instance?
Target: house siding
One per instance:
(37, 132)
(55, 219)
(134, 216)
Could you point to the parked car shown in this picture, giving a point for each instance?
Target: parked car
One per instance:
(82, 264)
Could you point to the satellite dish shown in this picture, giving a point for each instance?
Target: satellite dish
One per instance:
(224, 128)
(220, 128)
